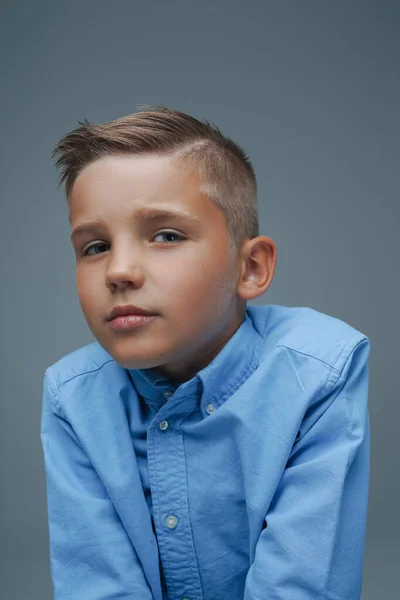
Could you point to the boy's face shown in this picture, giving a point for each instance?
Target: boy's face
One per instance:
(190, 282)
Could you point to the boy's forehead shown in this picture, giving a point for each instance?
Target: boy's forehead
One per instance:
(141, 187)
(142, 171)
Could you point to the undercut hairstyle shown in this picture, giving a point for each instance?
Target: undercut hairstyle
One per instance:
(225, 172)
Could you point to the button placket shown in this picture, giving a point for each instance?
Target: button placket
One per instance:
(163, 425)
(174, 533)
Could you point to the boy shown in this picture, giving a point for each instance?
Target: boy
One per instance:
(200, 448)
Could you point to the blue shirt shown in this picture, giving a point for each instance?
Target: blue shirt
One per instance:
(249, 481)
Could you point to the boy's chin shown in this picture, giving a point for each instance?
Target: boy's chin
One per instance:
(127, 356)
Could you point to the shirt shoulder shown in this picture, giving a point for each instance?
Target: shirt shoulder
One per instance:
(84, 360)
(307, 331)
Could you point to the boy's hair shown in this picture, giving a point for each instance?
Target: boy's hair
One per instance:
(226, 173)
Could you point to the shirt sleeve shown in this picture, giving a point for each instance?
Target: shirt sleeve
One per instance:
(91, 556)
(312, 544)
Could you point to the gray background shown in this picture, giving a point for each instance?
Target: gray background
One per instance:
(311, 91)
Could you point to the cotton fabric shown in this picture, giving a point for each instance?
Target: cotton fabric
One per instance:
(249, 481)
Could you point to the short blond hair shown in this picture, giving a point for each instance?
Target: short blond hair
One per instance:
(226, 173)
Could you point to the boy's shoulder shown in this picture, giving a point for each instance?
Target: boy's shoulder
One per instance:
(301, 329)
(305, 330)
(84, 360)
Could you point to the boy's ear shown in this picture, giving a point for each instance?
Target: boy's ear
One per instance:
(258, 265)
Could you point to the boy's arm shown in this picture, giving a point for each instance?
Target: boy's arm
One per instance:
(312, 547)
(91, 556)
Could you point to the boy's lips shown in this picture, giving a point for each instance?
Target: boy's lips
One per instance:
(128, 309)
(128, 322)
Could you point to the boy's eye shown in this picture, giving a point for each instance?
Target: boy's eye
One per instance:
(173, 233)
(85, 252)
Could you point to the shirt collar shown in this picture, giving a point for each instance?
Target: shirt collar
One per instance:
(213, 384)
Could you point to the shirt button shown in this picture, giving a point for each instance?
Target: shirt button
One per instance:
(210, 408)
(171, 522)
(185, 598)
(163, 425)
(168, 394)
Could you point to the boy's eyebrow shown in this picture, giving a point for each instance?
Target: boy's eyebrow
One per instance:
(150, 214)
